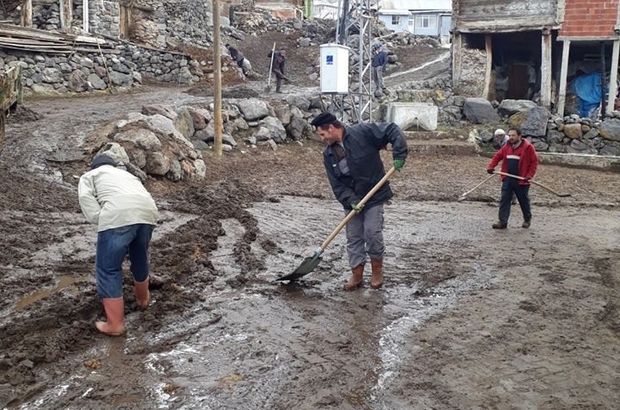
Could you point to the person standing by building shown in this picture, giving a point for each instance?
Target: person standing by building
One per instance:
(125, 215)
(518, 157)
(379, 65)
(353, 164)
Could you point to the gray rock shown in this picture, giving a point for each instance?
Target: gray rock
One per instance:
(579, 145)
(555, 137)
(157, 163)
(241, 124)
(77, 81)
(184, 122)
(120, 79)
(208, 135)
(298, 126)
(298, 101)
(510, 107)
(200, 144)
(593, 133)
(165, 110)
(251, 140)
(42, 88)
(485, 136)
(201, 168)
(185, 76)
(115, 151)
(51, 75)
(304, 42)
(610, 129)
(137, 77)
(140, 137)
(540, 145)
(253, 109)
(479, 111)
(533, 123)
(283, 113)
(136, 156)
(276, 129)
(263, 134)
(573, 131)
(316, 103)
(176, 172)
(200, 116)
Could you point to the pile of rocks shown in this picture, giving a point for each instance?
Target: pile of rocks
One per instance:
(166, 142)
(46, 15)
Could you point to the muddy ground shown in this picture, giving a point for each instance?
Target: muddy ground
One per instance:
(469, 317)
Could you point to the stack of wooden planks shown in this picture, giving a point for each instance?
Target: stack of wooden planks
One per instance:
(41, 41)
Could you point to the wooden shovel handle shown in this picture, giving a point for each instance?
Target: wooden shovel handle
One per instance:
(533, 182)
(351, 214)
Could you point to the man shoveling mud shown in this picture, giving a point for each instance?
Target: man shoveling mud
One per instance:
(518, 158)
(125, 215)
(354, 167)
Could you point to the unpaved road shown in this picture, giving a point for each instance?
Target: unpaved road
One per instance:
(469, 317)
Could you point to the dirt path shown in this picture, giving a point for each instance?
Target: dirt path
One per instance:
(469, 317)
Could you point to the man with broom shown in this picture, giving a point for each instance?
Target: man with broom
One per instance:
(353, 163)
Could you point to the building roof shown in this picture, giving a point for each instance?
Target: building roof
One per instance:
(415, 5)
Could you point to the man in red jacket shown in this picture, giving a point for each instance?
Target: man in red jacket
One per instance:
(518, 157)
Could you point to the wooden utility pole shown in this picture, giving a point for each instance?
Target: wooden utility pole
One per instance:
(66, 14)
(217, 78)
(27, 13)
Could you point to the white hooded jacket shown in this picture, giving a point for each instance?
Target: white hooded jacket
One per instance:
(111, 198)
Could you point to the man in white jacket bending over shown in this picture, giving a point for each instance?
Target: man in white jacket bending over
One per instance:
(125, 215)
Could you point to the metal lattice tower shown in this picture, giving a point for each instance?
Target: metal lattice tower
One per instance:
(354, 29)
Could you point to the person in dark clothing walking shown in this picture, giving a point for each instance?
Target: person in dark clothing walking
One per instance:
(278, 69)
(379, 64)
(354, 167)
(518, 157)
(236, 55)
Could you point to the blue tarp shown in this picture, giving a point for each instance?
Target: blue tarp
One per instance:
(588, 88)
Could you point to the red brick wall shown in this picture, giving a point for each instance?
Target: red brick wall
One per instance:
(587, 18)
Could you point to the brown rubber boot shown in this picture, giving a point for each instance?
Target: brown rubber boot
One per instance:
(115, 312)
(376, 280)
(142, 293)
(356, 279)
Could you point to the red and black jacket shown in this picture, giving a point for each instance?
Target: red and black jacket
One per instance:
(525, 154)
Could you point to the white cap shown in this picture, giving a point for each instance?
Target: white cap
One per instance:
(499, 131)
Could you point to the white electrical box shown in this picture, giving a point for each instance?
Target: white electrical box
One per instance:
(334, 68)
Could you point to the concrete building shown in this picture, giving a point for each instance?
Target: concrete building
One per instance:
(420, 17)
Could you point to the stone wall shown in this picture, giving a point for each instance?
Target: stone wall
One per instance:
(83, 72)
(473, 72)
(104, 17)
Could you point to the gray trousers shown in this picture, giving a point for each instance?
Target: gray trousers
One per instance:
(377, 77)
(365, 236)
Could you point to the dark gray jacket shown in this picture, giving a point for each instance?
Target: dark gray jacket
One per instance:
(362, 143)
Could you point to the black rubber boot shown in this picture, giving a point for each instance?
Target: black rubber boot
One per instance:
(526, 224)
(500, 225)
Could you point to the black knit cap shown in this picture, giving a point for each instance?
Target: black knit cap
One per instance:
(324, 119)
(102, 160)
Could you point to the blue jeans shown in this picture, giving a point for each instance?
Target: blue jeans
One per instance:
(112, 247)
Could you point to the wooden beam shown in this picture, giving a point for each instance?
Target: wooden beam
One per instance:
(66, 14)
(85, 16)
(613, 77)
(545, 69)
(27, 13)
(563, 75)
(457, 58)
(217, 79)
(488, 46)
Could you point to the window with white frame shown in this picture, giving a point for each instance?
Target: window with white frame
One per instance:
(396, 20)
(426, 21)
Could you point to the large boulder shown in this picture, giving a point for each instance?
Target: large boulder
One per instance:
(77, 81)
(533, 123)
(96, 82)
(298, 125)
(200, 116)
(510, 107)
(479, 111)
(610, 129)
(298, 101)
(140, 137)
(184, 122)
(157, 163)
(283, 113)
(253, 109)
(120, 79)
(165, 110)
(115, 151)
(276, 129)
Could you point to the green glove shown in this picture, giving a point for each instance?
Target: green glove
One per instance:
(357, 208)
(398, 164)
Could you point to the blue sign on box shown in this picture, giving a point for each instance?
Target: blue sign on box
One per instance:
(330, 60)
